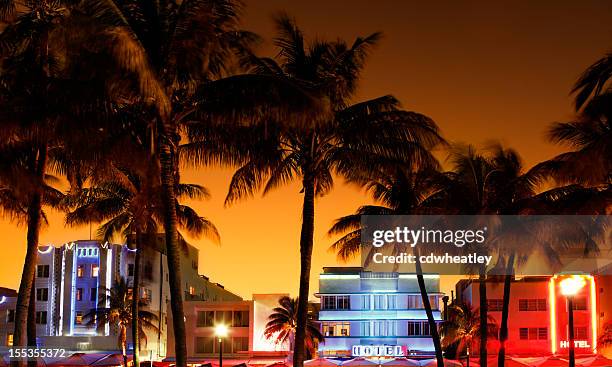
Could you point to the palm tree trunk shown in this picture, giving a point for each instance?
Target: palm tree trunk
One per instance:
(124, 352)
(168, 174)
(433, 327)
(31, 324)
(503, 328)
(135, 299)
(29, 265)
(306, 244)
(482, 290)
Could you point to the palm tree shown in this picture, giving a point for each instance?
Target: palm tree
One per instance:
(282, 324)
(17, 187)
(605, 337)
(594, 81)
(130, 204)
(400, 191)
(188, 49)
(463, 328)
(42, 49)
(119, 313)
(589, 136)
(313, 151)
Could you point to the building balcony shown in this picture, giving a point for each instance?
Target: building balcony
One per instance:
(350, 315)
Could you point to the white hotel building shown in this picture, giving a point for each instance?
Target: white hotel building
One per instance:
(362, 311)
(70, 277)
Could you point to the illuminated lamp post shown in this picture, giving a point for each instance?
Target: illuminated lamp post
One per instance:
(570, 286)
(220, 333)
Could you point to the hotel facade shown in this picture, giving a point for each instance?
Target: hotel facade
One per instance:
(372, 313)
(538, 314)
(70, 277)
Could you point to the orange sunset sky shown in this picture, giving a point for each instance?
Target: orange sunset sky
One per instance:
(482, 71)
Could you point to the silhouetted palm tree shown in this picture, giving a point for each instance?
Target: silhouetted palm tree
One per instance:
(313, 151)
(129, 203)
(115, 309)
(187, 46)
(42, 48)
(594, 81)
(463, 328)
(400, 191)
(282, 324)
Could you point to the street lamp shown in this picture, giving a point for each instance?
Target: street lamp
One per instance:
(220, 333)
(570, 286)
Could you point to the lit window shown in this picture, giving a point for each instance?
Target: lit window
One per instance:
(191, 290)
(95, 269)
(79, 294)
(9, 340)
(80, 271)
(78, 318)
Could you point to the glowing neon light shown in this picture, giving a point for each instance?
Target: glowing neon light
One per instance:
(339, 276)
(425, 276)
(88, 252)
(2, 300)
(49, 249)
(593, 305)
(553, 321)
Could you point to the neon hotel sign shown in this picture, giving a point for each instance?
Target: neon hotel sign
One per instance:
(379, 351)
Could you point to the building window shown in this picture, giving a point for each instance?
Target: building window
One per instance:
(344, 302)
(10, 317)
(191, 290)
(42, 294)
(336, 328)
(148, 271)
(418, 328)
(204, 345)
(147, 295)
(533, 333)
(223, 317)
(205, 318)
(42, 271)
(9, 340)
(95, 270)
(580, 332)
(379, 302)
(80, 271)
(579, 304)
(130, 270)
(383, 328)
(532, 304)
(241, 319)
(328, 302)
(78, 318)
(240, 344)
(415, 302)
(41, 317)
(365, 302)
(93, 294)
(495, 304)
(79, 294)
